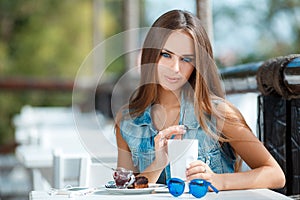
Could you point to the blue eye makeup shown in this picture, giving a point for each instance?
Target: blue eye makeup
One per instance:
(188, 60)
(165, 54)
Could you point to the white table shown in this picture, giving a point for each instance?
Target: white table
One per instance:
(257, 194)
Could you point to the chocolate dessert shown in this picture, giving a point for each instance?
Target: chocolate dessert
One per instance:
(140, 182)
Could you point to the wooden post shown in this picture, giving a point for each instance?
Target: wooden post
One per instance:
(98, 54)
(131, 21)
(204, 12)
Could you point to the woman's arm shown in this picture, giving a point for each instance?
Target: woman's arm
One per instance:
(124, 154)
(152, 172)
(265, 171)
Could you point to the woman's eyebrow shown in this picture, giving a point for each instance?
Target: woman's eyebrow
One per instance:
(189, 55)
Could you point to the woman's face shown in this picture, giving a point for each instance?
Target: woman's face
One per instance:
(176, 62)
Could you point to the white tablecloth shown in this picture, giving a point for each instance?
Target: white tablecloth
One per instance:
(257, 194)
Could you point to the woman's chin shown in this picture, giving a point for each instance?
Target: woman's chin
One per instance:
(172, 88)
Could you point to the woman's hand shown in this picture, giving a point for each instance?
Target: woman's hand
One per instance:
(172, 132)
(153, 171)
(200, 170)
(160, 140)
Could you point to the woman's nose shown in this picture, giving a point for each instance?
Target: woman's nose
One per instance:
(176, 65)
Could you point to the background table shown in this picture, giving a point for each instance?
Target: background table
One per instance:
(41, 131)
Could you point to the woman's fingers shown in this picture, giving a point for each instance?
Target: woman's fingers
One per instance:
(204, 176)
(173, 131)
(160, 140)
(198, 169)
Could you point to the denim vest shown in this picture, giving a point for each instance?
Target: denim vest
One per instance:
(139, 134)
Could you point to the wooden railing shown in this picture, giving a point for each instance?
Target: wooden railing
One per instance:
(21, 83)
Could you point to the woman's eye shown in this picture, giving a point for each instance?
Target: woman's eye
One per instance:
(166, 55)
(187, 60)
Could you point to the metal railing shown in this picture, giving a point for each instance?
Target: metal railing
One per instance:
(242, 78)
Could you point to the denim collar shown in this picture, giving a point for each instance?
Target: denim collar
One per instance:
(144, 119)
(187, 115)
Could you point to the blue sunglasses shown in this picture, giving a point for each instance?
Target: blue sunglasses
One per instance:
(197, 187)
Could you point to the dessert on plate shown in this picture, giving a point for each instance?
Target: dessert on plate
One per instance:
(140, 182)
(126, 179)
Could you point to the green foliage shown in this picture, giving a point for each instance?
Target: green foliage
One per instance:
(41, 39)
(44, 38)
(48, 39)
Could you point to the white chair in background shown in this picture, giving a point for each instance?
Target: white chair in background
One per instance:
(67, 169)
(28, 122)
(66, 139)
(96, 174)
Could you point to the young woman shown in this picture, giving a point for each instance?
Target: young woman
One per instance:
(180, 96)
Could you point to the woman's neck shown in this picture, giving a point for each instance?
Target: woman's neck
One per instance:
(169, 99)
(166, 111)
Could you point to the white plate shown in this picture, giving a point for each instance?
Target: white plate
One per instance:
(150, 189)
(130, 191)
(159, 187)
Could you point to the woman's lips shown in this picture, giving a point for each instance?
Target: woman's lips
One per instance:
(172, 79)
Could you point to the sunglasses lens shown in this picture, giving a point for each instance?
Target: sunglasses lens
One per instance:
(176, 186)
(198, 188)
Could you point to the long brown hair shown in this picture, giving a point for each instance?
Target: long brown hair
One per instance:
(204, 80)
(204, 83)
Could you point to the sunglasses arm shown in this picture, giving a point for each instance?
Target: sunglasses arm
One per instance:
(213, 187)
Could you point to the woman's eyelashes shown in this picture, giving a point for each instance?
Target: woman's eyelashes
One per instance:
(165, 55)
(184, 59)
(187, 59)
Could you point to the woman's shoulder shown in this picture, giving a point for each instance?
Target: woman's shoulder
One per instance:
(224, 106)
(134, 118)
(229, 118)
